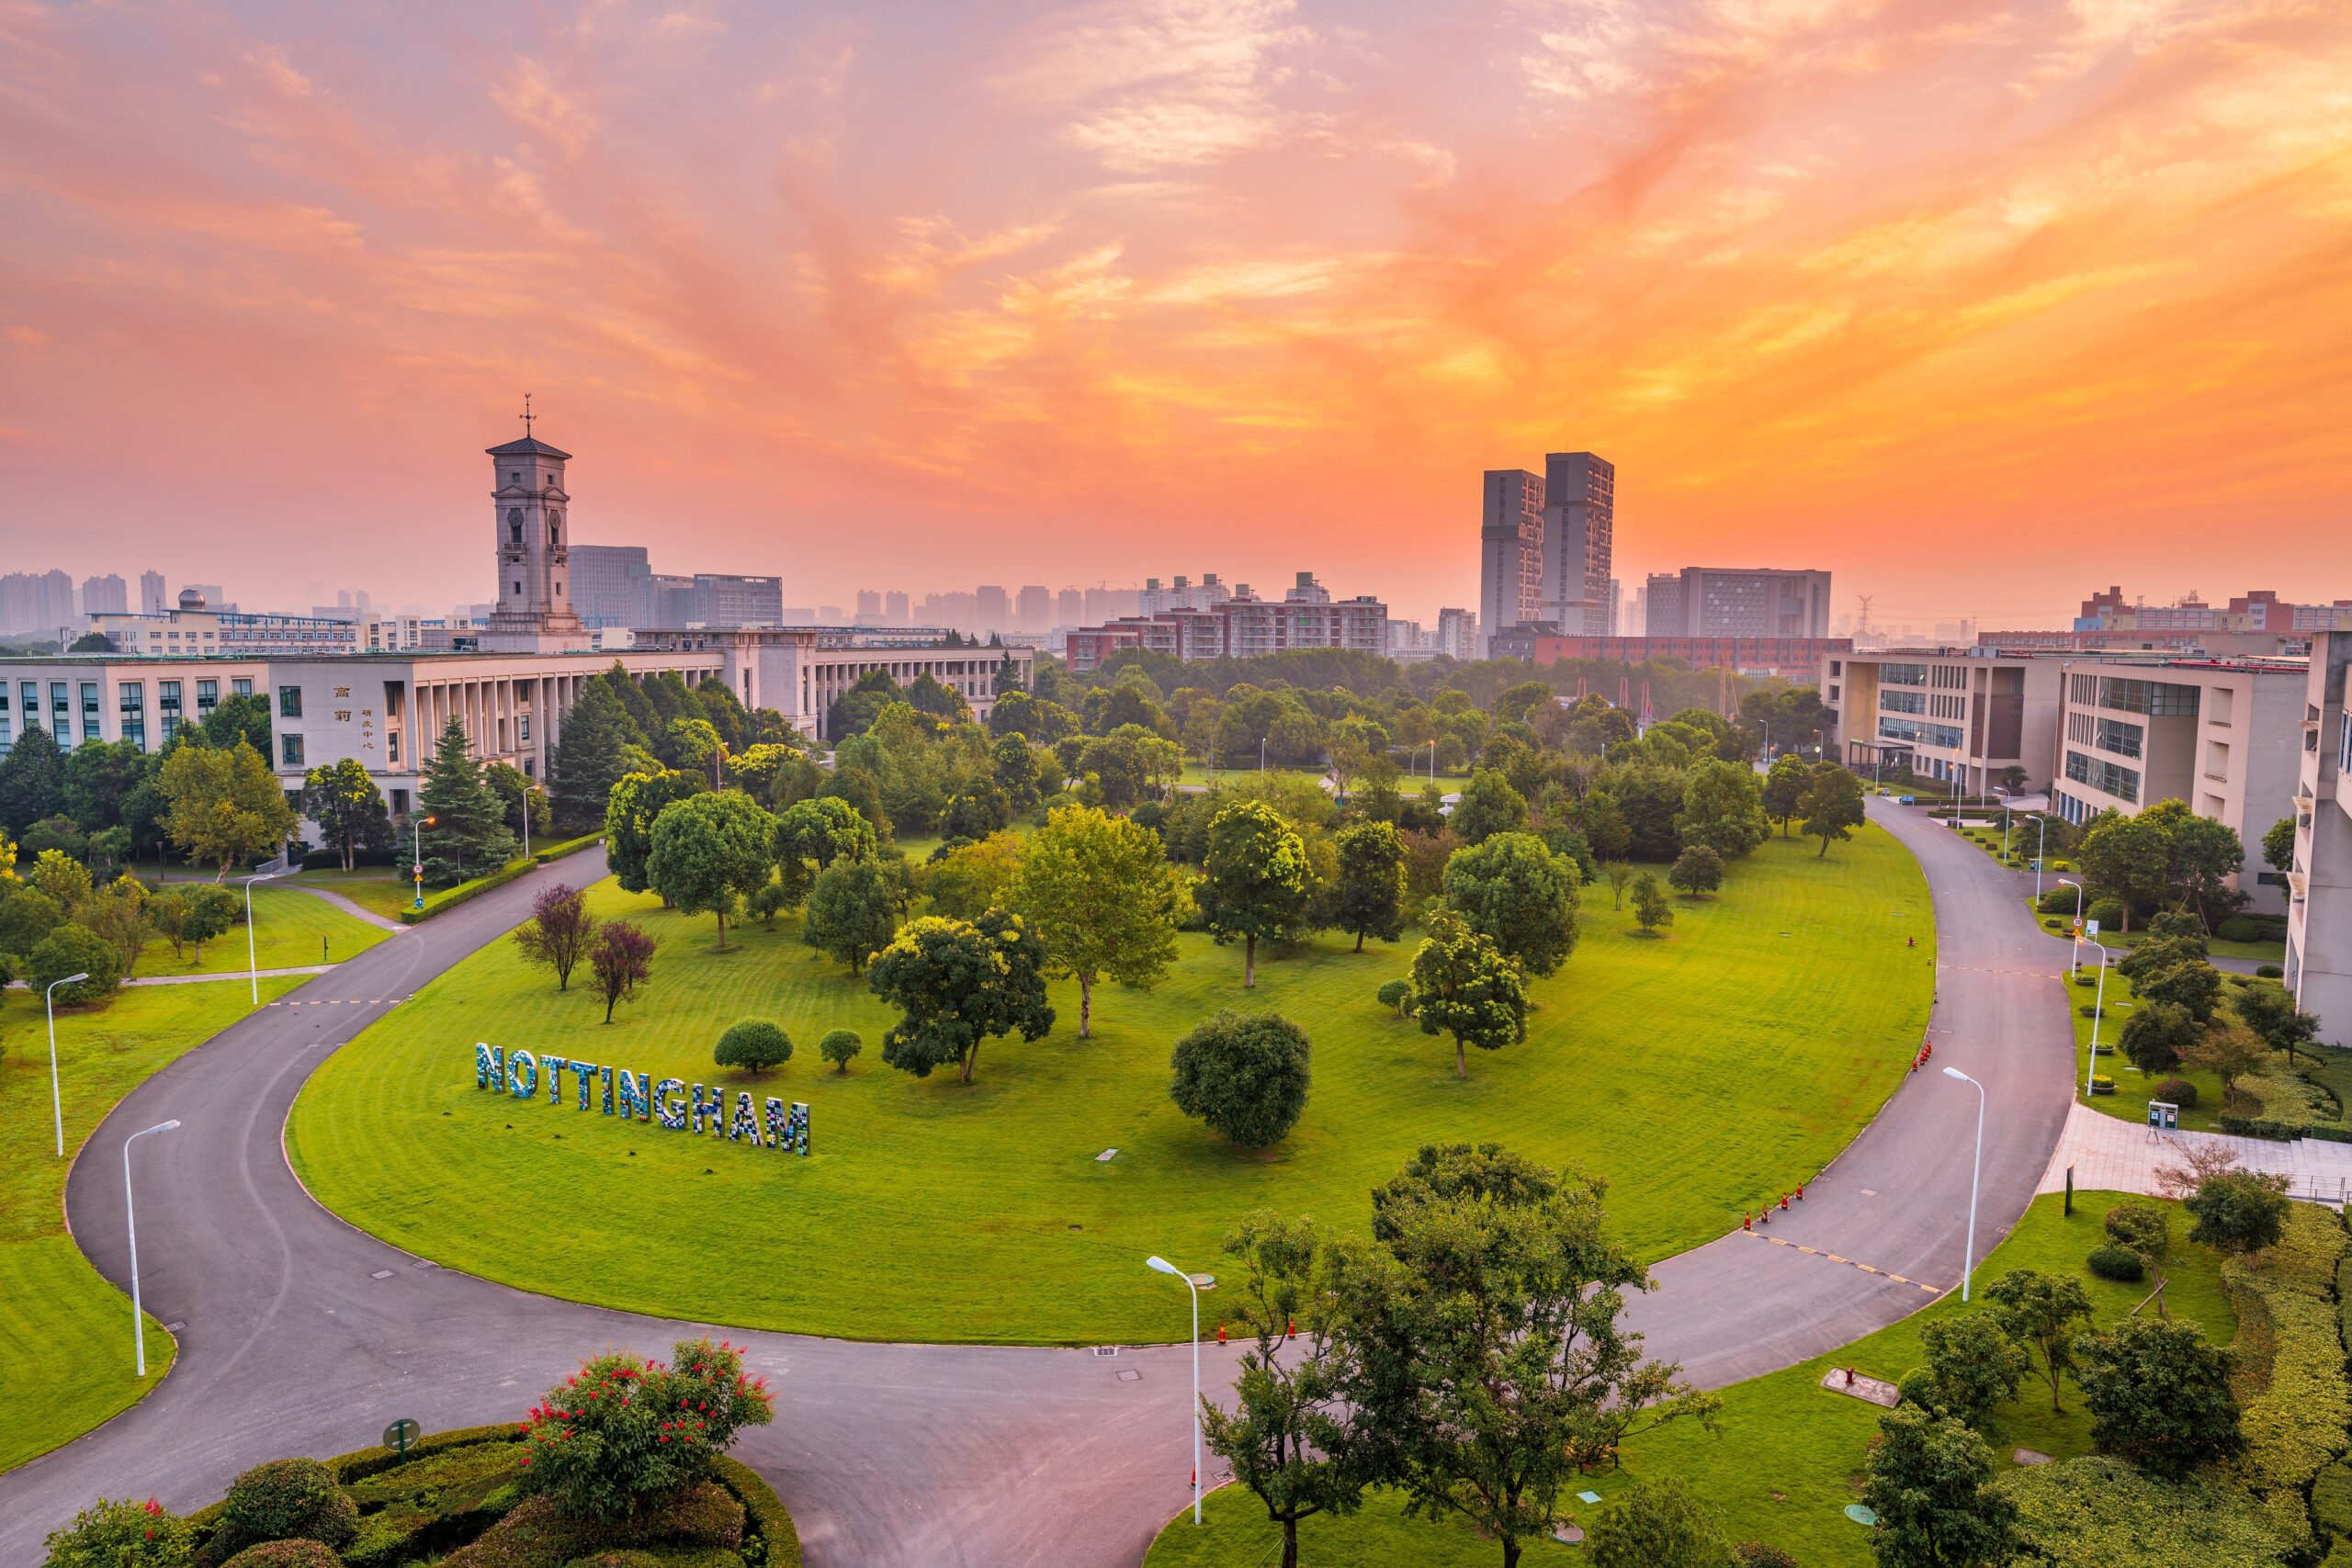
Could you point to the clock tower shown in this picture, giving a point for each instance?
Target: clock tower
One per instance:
(531, 524)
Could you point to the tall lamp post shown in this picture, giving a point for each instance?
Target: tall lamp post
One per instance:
(2041, 843)
(131, 1219)
(1968, 1256)
(56, 1100)
(2098, 1010)
(253, 959)
(417, 826)
(1159, 1265)
(2075, 953)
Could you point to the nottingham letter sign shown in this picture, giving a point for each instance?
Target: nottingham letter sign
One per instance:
(620, 1093)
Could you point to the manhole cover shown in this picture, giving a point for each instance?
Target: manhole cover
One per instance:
(425, 1263)
(1128, 1374)
(173, 1327)
(382, 1274)
(1568, 1535)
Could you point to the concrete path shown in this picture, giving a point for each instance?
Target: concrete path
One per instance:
(199, 979)
(2109, 1154)
(301, 1335)
(356, 910)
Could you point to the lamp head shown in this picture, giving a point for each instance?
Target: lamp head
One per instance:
(165, 1126)
(1159, 1265)
(1956, 1072)
(70, 979)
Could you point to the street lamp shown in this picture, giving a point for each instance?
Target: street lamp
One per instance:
(253, 961)
(1159, 1265)
(1968, 1257)
(130, 1220)
(57, 1100)
(2075, 953)
(2041, 843)
(417, 826)
(2099, 1009)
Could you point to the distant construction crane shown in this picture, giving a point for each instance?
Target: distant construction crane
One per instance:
(1861, 628)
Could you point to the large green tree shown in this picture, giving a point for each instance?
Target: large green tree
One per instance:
(811, 835)
(1098, 892)
(1520, 895)
(2041, 1312)
(466, 834)
(589, 757)
(636, 804)
(2127, 859)
(1722, 807)
(852, 911)
(1974, 1364)
(349, 809)
(1930, 1481)
(1463, 985)
(2159, 1397)
(710, 851)
(1489, 806)
(1831, 805)
(1370, 899)
(1256, 884)
(224, 806)
(1784, 789)
(956, 984)
(32, 778)
(1659, 1524)
(1244, 1074)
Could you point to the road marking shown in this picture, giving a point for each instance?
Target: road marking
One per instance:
(1831, 1257)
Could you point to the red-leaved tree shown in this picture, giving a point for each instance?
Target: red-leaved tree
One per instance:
(619, 955)
(558, 932)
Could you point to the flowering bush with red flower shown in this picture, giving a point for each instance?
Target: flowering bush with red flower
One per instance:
(121, 1534)
(623, 1430)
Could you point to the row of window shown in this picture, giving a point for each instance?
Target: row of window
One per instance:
(2110, 778)
(2157, 699)
(1946, 736)
(69, 699)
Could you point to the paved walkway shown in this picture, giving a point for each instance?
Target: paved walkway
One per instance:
(356, 910)
(201, 979)
(2109, 1155)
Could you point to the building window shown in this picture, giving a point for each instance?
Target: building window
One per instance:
(2107, 777)
(1903, 675)
(90, 710)
(133, 697)
(208, 697)
(242, 685)
(392, 745)
(289, 702)
(523, 726)
(289, 751)
(2115, 735)
(400, 802)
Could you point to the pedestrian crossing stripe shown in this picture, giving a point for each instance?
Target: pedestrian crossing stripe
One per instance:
(1817, 1252)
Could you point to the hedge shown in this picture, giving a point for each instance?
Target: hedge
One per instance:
(767, 1526)
(2264, 1127)
(2100, 1510)
(2297, 1425)
(449, 898)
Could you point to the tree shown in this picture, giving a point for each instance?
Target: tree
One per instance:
(610, 1439)
(1256, 882)
(2159, 1396)
(589, 757)
(1831, 805)
(838, 1046)
(1974, 1364)
(70, 949)
(2126, 859)
(558, 931)
(2200, 857)
(521, 801)
(1660, 1524)
(2038, 1311)
(1930, 1481)
(2231, 1050)
(1650, 909)
(1098, 892)
(956, 984)
(852, 912)
(121, 1534)
(211, 912)
(693, 745)
(637, 803)
(1489, 806)
(2156, 1036)
(811, 835)
(238, 717)
(32, 778)
(1696, 871)
(1722, 807)
(167, 915)
(1516, 892)
(1244, 1074)
(1784, 789)
(1370, 900)
(620, 956)
(1621, 876)
(1494, 1364)
(468, 836)
(1292, 1437)
(100, 781)
(2238, 1210)
(1463, 985)
(964, 880)
(1132, 763)
(61, 877)
(2270, 1011)
(2278, 845)
(755, 1045)
(710, 849)
(349, 809)
(1394, 995)
(224, 806)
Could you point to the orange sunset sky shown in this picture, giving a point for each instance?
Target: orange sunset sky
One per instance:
(1982, 307)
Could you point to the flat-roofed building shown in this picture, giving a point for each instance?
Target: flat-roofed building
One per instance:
(2319, 880)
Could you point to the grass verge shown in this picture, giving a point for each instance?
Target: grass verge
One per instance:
(290, 928)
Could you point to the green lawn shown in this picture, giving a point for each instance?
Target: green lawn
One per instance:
(289, 927)
(1694, 1071)
(381, 890)
(66, 1355)
(1788, 1456)
(2121, 942)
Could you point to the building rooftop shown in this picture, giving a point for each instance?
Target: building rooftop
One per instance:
(530, 447)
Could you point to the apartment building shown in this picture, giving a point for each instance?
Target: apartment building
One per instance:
(1796, 658)
(195, 627)
(1748, 601)
(2319, 882)
(1241, 627)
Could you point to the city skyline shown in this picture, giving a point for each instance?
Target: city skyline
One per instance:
(1864, 277)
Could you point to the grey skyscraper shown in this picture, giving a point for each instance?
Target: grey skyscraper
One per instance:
(730, 599)
(1034, 611)
(1705, 600)
(612, 585)
(108, 595)
(994, 608)
(1510, 551)
(150, 593)
(1579, 541)
(894, 609)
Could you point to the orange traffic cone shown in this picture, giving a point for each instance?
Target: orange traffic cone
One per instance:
(1294, 1328)
(1745, 1223)
(1220, 1334)
(1784, 1199)
(1800, 1192)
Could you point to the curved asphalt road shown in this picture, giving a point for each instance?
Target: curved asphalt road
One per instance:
(301, 1335)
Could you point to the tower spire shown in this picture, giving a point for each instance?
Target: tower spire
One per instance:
(527, 416)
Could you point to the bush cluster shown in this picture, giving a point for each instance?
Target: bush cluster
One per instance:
(2118, 1263)
(2296, 1425)
(623, 1430)
(2175, 1091)
(289, 1499)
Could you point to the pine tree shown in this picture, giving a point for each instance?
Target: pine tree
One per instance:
(587, 760)
(466, 834)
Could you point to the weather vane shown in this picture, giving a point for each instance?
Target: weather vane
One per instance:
(527, 416)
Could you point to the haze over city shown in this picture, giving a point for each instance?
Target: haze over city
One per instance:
(899, 297)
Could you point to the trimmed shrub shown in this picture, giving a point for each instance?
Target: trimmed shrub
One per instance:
(1244, 1074)
(120, 1534)
(2269, 972)
(839, 1046)
(289, 1499)
(2102, 1084)
(1394, 996)
(2239, 928)
(1758, 1555)
(2140, 1225)
(2296, 1425)
(2089, 1009)
(769, 1538)
(2086, 979)
(2175, 1091)
(2057, 901)
(2107, 912)
(2331, 1499)
(286, 1554)
(2118, 1263)
(644, 1428)
(1919, 1386)
(2053, 925)
(754, 1045)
